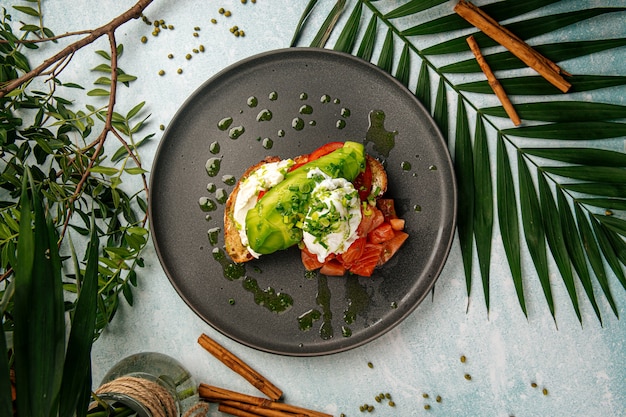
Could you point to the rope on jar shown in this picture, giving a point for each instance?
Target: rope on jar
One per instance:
(155, 398)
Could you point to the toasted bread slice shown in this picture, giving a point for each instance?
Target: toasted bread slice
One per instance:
(234, 248)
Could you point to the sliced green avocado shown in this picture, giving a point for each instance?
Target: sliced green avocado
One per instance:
(275, 223)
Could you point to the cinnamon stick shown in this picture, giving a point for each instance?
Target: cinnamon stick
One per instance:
(254, 409)
(546, 68)
(240, 367)
(224, 396)
(493, 82)
(235, 411)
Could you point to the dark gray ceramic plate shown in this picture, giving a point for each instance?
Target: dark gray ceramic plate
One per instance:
(314, 96)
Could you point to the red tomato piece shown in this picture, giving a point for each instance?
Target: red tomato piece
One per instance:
(324, 150)
(387, 206)
(368, 261)
(381, 234)
(363, 183)
(391, 246)
(397, 224)
(333, 268)
(354, 252)
(309, 260)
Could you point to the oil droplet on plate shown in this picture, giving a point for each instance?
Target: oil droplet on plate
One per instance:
(236, 131)
(336, 101)
(210, 187)
(213, 166)
(297, 123)
(252, 101)
(213, 234)
(312, 123)
(229, 179)
(214, 148)
(273, 96)
(224, 123)
(306, 320)
(417, 208)
(304, 96)
(281, 133)
(325, 98)
(306, 109)
(221, 195)
(383, 140)
(432, 168)
(264, 116)
(406, 166)
(268, 143)
(340, 124)
(206, 204)
(345, 112)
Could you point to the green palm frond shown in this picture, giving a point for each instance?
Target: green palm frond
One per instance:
(558, 204)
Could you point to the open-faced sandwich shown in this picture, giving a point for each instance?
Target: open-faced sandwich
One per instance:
(330, 203)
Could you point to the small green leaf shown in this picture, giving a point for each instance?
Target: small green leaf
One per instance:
(102, 68)
(132, 112)
(104, 54)
(135, 171)
(27, 10)
(98, 169)
(98, 92)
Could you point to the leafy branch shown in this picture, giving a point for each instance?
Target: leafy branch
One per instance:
(41, 133)
(565, 203)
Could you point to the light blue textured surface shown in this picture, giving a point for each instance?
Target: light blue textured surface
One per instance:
(583, 367)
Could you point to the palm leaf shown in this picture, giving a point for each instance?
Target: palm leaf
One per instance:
(534, 231)
(76, 371)
(570, 131)
(536, 85)
(595, 257)
(39, 336)
(508, 219)
(499, 11)
(556, 241)
(582, 156)
(559, 221)
(483, 204)
(412, 7)
(502, 61)
(574, 246)
(562, 111)
(463, 164)
(525, 29)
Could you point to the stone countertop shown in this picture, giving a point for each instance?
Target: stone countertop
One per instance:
(581, 366)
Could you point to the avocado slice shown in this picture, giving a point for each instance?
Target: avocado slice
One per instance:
(275, 223)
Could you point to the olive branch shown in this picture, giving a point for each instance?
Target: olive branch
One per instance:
(565, 202)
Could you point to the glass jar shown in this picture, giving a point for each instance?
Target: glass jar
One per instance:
(158, 368)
